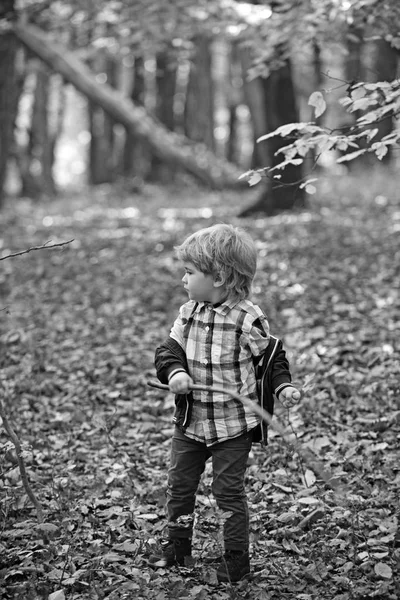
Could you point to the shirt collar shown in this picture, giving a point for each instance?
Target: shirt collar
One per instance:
(221, 307)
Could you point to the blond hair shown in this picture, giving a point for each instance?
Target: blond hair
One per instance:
(226, 250)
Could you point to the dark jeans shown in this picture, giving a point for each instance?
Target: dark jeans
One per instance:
(229, 461)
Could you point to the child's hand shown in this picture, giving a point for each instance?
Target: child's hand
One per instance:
(180, 383)
(289, 396)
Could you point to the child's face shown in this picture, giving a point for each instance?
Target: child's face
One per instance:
(199, 286)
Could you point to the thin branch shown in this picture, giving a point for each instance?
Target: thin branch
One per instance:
(44, 247)
(21, 463)
(305, 453)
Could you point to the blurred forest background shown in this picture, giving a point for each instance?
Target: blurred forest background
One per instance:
(105, 92)
(125, 126)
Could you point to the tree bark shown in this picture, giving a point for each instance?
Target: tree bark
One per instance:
(168, 146)
(280, 108)
(101, 150)
(199, 106)
(37, 178)
(255, 100)
(166, 71)
(136, 157)
(8, 92)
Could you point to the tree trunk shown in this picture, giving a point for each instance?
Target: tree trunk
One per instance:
(136, 150)
(199, 105)
(165, 94)
(234, 97)
(255, 100)
(168, 146)
(37, 174)
(385, 63)
(280, 108)
(8, 92)
(354, 72)
(101, 126)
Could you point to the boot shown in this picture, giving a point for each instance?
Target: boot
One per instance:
(173, 552)
(234, 565)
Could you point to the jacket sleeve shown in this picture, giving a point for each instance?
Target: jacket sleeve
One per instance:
(169, 357)
(280, 376)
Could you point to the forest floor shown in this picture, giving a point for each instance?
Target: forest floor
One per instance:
(78, 329)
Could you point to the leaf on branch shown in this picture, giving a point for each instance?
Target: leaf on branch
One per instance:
(358, 93)
(351, 156)
(307, 185)
(287, 129)
(254, 179)
(247, 174)
(371, 133)
(380, 149)
(318, 102)
(293, 161)
(361, 104)
(310, 189)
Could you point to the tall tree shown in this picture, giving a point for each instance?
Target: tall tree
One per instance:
(199, 106)
(37, 165)
(136, 155)
(281, 191)
(385, 60)
(166, 70)
(9, 89)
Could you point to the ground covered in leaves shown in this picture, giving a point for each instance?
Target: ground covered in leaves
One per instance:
(78, 329)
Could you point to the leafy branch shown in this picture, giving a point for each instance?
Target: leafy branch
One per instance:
(373, 102)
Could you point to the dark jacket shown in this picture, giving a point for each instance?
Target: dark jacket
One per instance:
(272, 375)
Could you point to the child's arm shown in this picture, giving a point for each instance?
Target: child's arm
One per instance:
(286, 393)
(170, 359)
(171, 366)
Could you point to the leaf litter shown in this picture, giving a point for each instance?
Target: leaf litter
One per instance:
(77, 343)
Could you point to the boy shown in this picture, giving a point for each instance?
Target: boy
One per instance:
(217, 339)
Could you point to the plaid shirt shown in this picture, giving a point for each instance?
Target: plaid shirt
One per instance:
(219, 342)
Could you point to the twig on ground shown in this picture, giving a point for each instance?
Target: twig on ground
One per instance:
(21, 463)
(43, 247)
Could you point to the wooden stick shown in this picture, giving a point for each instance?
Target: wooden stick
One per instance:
(305, 453)
(21, 463)
(43, 247)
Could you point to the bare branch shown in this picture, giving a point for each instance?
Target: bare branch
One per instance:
(21, 463)
(44, 247)
(304, 452)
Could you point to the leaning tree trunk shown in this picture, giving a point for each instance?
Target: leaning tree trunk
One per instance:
(280, 108)
(8, 91)
(168, 146)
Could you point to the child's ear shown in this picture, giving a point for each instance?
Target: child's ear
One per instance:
(219, 280)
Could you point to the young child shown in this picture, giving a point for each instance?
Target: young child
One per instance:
(217, 339)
